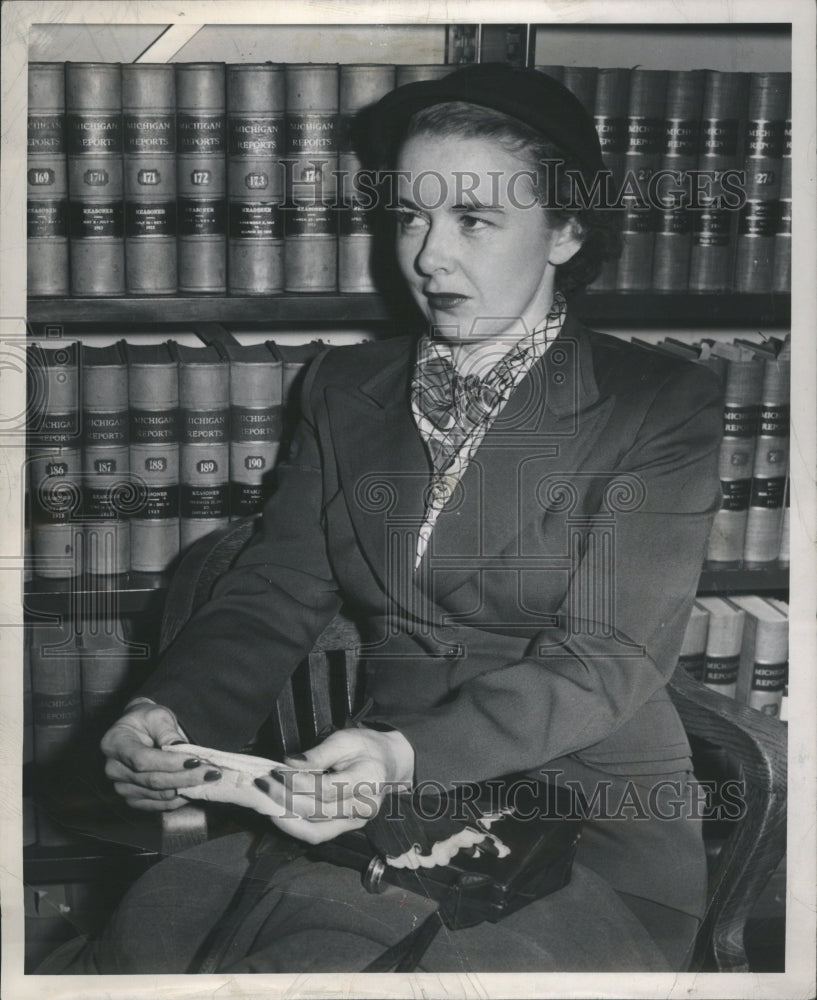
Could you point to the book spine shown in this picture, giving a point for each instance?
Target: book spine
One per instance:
(54, 459)
(740, 419)
(201, 177)
(763, 664)
(612, 95)
(461, 44)
(106, 486)
(47, 181)
(723, 652)
(692, 657)
(93, 97)
(674, 219)
(781, 275)
(311, 163)
(255, 136)
(785, 526)
(153, 391)
(255, 431)
(204, 396)
(757, 225)
(765, 515)
(55, 681)
(581, 81)
(359, 85)
(723, 119)
(105, 670)
(149, 121)
(645, 136)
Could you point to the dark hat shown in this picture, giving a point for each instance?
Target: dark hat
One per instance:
(527, 95)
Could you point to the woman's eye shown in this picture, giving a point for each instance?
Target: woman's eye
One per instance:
(409, 220)
(472, 223)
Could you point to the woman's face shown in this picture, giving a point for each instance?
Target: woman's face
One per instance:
(476, 250)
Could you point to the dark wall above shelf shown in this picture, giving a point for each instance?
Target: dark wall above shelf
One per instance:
(137, 593)
(600, 309)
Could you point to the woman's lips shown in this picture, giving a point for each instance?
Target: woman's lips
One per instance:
(444, 300)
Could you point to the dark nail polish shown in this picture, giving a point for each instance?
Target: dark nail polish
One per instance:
(278, 775)
(263, 785)
(297, 756)
(175, 743)
(212, 775)
(191, 763)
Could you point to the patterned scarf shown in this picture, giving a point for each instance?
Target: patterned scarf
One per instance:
(453, 412)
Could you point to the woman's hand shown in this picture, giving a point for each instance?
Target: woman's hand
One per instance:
(340, 784)
(142, 773)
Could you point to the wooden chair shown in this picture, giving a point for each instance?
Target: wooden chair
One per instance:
(324, 690)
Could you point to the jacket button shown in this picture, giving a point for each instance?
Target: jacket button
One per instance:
(558, 378)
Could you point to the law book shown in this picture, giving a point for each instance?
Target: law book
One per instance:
(360, 85)
(256, 389)
(107, 490)
(645, 135)
(763, 161)
(153, 396)
(783, 608)
(674, 217)
(461, 44)
(106, 671)
(744, 377)
(692, 657)
(785, 526)
(204, 454)
(294, 358)
(417, 72)
(54, 458)
(723, 644)
(581, 82)
(56, 692)
(311, 164)
(47, 182)
(764, 654)
(771, 461)
(781, 273)
(256, 101)
(610, 118)
(149, 121)
(723, 121)
(644, 109)
(93, 104)
(699, 351)
(201, 177)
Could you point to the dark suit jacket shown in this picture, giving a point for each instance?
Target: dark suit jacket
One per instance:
(551, 603)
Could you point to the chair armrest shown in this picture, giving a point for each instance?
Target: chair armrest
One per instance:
(757, 841)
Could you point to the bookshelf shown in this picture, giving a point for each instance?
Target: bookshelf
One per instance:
(635, 309)
(141, 596)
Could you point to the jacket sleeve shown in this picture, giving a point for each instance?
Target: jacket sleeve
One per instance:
(224, 670)
(580, 681)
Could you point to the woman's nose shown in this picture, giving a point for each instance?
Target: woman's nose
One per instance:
(437, 251)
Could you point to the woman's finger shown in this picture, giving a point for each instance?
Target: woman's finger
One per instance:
(192, 772)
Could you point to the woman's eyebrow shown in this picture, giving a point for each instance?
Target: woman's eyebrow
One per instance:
(477, 206)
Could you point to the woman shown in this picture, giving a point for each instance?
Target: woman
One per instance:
(534, 477)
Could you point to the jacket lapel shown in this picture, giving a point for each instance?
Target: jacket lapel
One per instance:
(533, 453)
(384, 470)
